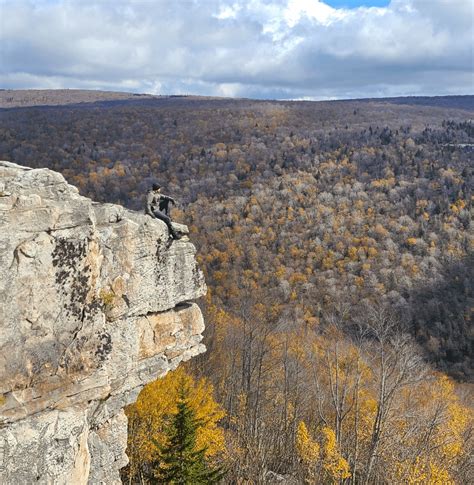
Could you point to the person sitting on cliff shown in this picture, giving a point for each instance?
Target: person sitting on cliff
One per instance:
(157, 205)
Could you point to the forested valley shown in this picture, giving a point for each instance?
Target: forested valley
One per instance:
(337, 246)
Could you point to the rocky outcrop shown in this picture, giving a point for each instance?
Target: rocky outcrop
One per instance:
(96, 301)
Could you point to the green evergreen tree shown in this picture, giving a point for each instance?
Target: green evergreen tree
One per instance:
(180, 462)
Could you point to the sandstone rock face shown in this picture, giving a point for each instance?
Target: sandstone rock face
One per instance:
(95, 301)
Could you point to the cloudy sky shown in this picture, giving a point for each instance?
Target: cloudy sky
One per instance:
(284, 49)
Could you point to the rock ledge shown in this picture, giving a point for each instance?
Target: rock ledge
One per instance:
(96, 301)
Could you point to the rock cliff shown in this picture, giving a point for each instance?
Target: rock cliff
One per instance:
(96, 301)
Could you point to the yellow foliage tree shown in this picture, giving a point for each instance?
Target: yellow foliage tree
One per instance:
(442, 440)
(321, 456)
(148, 418)
(308, 452)
(334, 464)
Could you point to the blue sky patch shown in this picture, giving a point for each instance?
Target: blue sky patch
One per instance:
(357, 3)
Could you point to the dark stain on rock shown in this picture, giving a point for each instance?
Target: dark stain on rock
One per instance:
(68, 256)
(197, 276)
(160, 249)
(92, 308)
(105, 346)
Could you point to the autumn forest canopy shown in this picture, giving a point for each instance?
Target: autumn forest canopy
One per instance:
(336, 242)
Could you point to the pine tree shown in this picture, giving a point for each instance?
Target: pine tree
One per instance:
(180, 462)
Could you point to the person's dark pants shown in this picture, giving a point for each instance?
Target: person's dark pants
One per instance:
(163, 217)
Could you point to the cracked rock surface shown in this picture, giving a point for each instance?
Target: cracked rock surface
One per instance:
(96, 301)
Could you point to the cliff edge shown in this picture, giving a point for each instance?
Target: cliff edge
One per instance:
(96, 301)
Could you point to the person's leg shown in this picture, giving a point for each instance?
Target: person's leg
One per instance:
(167, 221)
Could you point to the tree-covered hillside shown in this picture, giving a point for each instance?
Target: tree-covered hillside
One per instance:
(328, 232)
(320, 201)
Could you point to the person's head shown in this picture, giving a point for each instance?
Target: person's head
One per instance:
(156, 187)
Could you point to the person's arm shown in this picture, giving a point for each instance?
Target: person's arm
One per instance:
(149, 201)
(167, 197)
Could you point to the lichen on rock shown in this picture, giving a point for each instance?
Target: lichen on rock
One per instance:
(96, 302)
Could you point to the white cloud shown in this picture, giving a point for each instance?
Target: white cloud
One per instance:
(228, 11)
(315, 10)
(254, 48)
